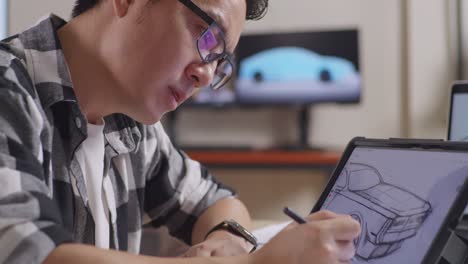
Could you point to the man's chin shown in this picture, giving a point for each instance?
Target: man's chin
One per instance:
(147, 119)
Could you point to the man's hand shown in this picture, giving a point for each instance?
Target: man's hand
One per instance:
(326, 238)
(219, 244)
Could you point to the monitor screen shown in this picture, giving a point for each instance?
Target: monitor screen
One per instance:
(292, 68)
(401, 197)
(458, 123)
(3, 19)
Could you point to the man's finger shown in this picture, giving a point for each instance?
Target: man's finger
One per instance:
(343, 228)
(202, 252)
(321, 215)
(346, 250)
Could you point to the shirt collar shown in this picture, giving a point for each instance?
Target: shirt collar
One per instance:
(45, 61)
(123, 133)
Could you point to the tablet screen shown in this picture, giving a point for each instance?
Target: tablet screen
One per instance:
(401, 197)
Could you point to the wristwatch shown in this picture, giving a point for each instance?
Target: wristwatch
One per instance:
(236, 229)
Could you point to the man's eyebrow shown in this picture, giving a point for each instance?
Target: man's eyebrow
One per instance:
(222, 25)
(219, 21)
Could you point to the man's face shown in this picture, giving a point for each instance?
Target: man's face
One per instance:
(154, 56)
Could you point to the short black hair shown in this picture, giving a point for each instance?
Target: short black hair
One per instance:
(82, 6)
(256, 9)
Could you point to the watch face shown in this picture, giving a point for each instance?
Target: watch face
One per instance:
(243, 232)
(236, 229)
(242, 229)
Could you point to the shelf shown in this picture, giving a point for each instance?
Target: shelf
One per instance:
(268, 158)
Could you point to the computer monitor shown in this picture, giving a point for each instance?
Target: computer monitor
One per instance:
(3, 19)
(458, 127)
(298, 68)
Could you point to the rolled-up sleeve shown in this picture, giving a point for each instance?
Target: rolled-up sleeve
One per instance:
(179, 189)
(30, 222)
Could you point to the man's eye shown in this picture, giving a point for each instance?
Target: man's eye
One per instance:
(208, 40)
(197, 29)
(202, 29)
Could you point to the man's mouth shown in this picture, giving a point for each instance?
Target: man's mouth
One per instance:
(177, 96)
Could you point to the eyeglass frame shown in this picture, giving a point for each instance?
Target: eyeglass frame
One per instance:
(211, 23)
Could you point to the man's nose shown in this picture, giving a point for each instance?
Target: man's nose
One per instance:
(201, 74)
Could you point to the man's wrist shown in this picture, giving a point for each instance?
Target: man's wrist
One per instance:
(235, 229)
(224, 234)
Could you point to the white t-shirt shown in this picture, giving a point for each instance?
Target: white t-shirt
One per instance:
(91, 159)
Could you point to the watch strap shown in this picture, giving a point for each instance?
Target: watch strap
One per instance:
(236, 229)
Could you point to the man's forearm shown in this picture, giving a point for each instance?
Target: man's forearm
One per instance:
(83, 254)
(228, 208)
(77, 253)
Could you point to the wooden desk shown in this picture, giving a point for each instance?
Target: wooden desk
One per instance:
(266, 158)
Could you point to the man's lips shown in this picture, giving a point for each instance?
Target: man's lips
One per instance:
(178, 96)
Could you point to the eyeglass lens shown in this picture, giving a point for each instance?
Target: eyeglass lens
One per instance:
(211, 46)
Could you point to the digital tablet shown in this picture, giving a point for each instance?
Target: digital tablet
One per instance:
(408, 195)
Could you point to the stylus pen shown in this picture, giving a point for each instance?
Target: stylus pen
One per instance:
(297, 218)
(294, 216)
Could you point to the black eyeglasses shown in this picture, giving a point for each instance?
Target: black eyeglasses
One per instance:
(211, 46)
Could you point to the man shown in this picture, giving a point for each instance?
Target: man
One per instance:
(84, 161)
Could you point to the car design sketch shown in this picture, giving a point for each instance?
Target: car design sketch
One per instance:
(388, 214)
(288, 73)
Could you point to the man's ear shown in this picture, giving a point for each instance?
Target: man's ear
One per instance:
(121, 7)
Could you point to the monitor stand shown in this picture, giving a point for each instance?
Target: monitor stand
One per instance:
(302, 124)
(303, 127)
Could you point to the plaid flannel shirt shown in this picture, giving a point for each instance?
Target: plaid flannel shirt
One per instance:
(43, 200)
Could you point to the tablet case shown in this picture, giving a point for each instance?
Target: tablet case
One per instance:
(448, 246)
